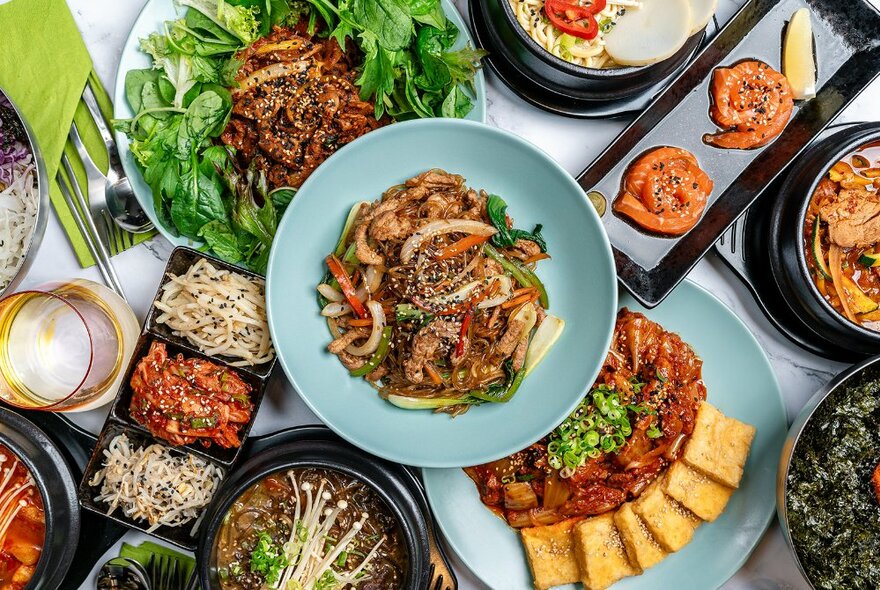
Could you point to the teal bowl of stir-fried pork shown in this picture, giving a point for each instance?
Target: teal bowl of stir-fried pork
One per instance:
(441, 293)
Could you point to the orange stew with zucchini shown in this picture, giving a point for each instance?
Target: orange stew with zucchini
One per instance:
(623, 435)
(664, 191)
(842, 236)
(22, 522)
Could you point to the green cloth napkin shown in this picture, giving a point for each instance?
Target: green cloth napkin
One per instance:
(44, 68)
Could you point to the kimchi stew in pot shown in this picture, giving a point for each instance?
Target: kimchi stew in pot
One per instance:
(623, 435)
(22, 522)
(842, 236)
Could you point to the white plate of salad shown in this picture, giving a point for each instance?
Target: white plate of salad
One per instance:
(224, 107)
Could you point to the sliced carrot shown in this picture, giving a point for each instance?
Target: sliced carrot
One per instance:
(524, 298)
(433, 374)
(536, 258)
(360, 323)
(338, 272)
(522, 291)
(460, 246)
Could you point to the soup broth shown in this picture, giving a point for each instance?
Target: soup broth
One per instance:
(310, 528)
(22, 522)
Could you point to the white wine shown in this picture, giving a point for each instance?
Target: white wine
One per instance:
(64, 346)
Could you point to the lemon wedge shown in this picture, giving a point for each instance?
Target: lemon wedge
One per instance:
(798, 63)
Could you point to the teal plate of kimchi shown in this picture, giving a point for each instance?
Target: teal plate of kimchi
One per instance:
(738, 380)
(477, 320)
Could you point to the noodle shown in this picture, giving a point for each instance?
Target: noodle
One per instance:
(582, 52)
(152, 484)
(220, 312)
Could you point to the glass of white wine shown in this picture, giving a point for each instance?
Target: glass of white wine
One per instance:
(64, 346)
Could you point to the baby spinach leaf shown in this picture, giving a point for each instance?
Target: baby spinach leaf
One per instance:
(428, 12)
(200, 119)
(135, 80)
(281, 198)
(222, 240)
(496, 209)
(197, 201)
(389, 20)
(456, 104)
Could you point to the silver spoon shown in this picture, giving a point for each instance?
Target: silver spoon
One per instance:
(125, 209)
(121, 573)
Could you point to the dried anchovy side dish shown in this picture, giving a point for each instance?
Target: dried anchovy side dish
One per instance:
(184, 400)
(431, 296)
(218, 311)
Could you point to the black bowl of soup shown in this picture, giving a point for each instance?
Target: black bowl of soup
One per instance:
(39, 513)
(519, 32)
(314, 510)
(825, 239)
(828, 485)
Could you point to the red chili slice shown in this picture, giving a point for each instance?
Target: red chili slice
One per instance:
(574, 19)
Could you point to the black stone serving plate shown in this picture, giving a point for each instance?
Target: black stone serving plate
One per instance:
(548, 83)
(847, 46)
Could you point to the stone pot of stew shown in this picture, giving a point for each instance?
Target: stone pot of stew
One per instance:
(803, 261)
(381, 491)
(40, 553)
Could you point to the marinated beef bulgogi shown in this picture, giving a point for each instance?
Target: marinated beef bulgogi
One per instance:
(297, 103)
(627, 431)
(184, 400)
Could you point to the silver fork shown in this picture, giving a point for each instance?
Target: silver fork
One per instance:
(108, 231)
(86, 226)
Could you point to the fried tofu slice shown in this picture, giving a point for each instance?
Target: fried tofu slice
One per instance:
(719, 446)
(701, 495)
(550, 552)
(669, 522)
(642, 548)
(600, 552)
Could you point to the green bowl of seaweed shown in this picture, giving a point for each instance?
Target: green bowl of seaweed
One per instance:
(827, 502)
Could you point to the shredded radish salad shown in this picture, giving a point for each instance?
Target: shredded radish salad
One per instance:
(19, 194)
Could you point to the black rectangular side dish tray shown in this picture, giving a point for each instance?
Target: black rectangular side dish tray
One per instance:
(119, 420)
(847, 48)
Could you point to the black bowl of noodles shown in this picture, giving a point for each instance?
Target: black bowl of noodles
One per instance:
(828, 485)
(314, 509)
(584, 78)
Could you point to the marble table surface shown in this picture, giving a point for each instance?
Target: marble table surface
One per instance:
(574, 143)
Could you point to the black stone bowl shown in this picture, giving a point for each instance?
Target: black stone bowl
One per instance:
(788, 263)
(565, 78)
(58, 490)
(385, 478)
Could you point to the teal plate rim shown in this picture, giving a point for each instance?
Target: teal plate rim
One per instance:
(441, 457)
(677, 570)
(122, 110)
